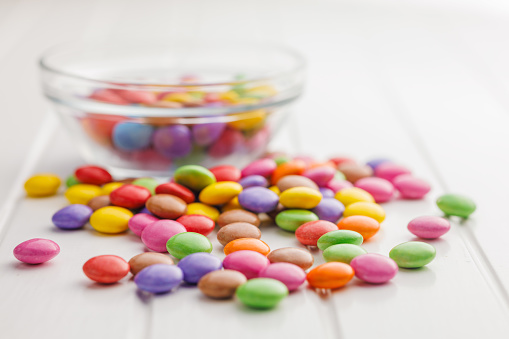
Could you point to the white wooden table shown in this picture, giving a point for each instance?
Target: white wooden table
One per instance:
(424, 84)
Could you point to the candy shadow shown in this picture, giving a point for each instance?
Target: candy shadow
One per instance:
(441, 245)
(416, 278)
(21, 266)
(90, 285)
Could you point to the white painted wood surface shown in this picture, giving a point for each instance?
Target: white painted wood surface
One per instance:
(425, 84)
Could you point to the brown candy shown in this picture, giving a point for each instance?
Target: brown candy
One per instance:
(127, 180)
(166, 206)
(140, 261)
(100, 201)
(238, 230)
(221, 284)
(354, 172)
(232, 216)
(296, 256)
(291, 181)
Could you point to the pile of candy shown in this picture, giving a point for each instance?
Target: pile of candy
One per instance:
(332, 205)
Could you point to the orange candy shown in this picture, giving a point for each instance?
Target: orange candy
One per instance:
(330, 275)
(288, 168)
(366, 226)
(249, 244)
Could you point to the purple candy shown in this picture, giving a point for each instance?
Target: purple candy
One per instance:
(327, 192)
(72, 217)
(253, 181)
(206, 134)
(159, 278)
(173, 141)
(196, 265)
(375, 162)
(258, 199)
(329, 209)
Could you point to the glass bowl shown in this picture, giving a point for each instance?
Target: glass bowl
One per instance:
(144, 109)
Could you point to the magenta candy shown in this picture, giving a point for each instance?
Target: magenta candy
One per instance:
(382, 190)
(139, 221)
(337, 185)
(36, 251)
(249, 263)
(411, 187)
(374, 268)
(263, 167)
(389, 171)
(429, 227)
(206, 134)
(289, 274)
(320, 175)
(226, 144)
(156, 235)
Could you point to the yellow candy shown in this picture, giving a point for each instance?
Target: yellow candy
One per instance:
(220, 192)
(264, 91)
(350, 195)
(42, 185)
(181, 97)
(111, 219)
(248, 120)
(275, 189)
(246, 101)
(82, 193)
(300, 197)
(368, 209)
(202, 209)
(110, 187)
(232, 205)
(230, 96)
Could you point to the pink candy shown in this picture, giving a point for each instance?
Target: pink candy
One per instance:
(411, 187)
(36, 251)
(381, 189)
(429, 227)
(289, 274)
(337, 185)
(374, 268)
(141, 220)
(320, 175)
(390, 171)
(156, 235)
(263, 167)
(249, 263)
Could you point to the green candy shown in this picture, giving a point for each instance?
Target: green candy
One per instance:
(339, 176)
(262, 293)
(148, 183)
(71, 181)
(342, 253)
(457, 205)
(281, 160)
(413, 254)
(194, 177)
(339, 237)
(183, 244)
(290, 220)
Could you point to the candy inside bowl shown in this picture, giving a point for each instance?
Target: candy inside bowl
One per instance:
(144, 109)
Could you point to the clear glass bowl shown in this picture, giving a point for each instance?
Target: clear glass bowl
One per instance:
(143, 109)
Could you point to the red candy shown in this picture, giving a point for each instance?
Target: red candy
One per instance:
(197, 223)
(130, 196)
(177, 190)
(341, 160)
(309, 233)
(226, 173)
(106, 269)
(93, 175)
(226, 143)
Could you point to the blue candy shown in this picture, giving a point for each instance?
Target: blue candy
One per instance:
(132, 136)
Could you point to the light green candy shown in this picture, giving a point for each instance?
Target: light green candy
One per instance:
(183, 244)
(457, 205)
(290, 220)
(339, 237)
(71, 181)
(194, 177)
(262, 293)
(413, 254)
(281, 160)
(148, 183)
(342, 253)
(339, 176)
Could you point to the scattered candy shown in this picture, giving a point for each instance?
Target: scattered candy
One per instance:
(194, 177)
(221, 284)
(159, 278)
(196, 265)
(177, 190)
(42, 185)
(156, 235)
(36, 251)
(130, 196)
(367, 209)
(289, 274)
(249, 263)
(296, 256)
(82, 193)
(197, 223)
(262, 293)
(330, 275)
(413, 254)
(166, 206)
(374, 268)
(98, 202)
(111, 219)
(232, 216)
(329, 209)
(342, 252)
(258, 199)
(183, 244)
(339, 237)
(380, 189)
(350, 195)
(389, 171)
(220, 192)
(72, 217)
(291, 220)
(354, 172)
(142, 260)
(249, 244)
(429, 227)
(410, 187)
(365, 226)
(291, 181)
(106, 269)
(139, 221)
(300, 197)
(202, 209)
(456, 205)
(309, 233)
(93, 175)
(237, 230)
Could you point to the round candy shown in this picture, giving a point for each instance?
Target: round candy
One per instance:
(300, 197)
(348, 196)
(365, 226)
(329, 209)
(262, 293)
(368, 209)
(429, 227)
(292, 255)
(410, 187)
(337, 185)
(206, 134)
(291, 181)
(177, 190)
(342, 253)
(232, 216)
(258, 199)
(264, 167)
(249, 263)
(290, 220)
(380, 189)
(42, 185)
(166, 206)
(237, 230)
(197, 223)
(183, 244)
(139, 221)
(309, 233)
(330, 275)
(339, 237)
(226, 144)
(320, 175)
(202, 209)
(294, 167)
(221, 284)
(457, 205)
(374, 268)
(82, 193)
(93, 175)
(289, 274)
(110, 187)
(389, 171)
(156, 235)
(106, 269)
(226, 173)
(173, 141)
(130, 196)
(72, 217)
(253, 180)
(142, 260)
(196, 265)
(36, 251)
(413, 254)
(248, 244)
(194, 177)
(111, 219)
(220, 192)
(148, 183)
(354, 172)
(159, 278)
(132, 136)
(327, 192)
(98, 202)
